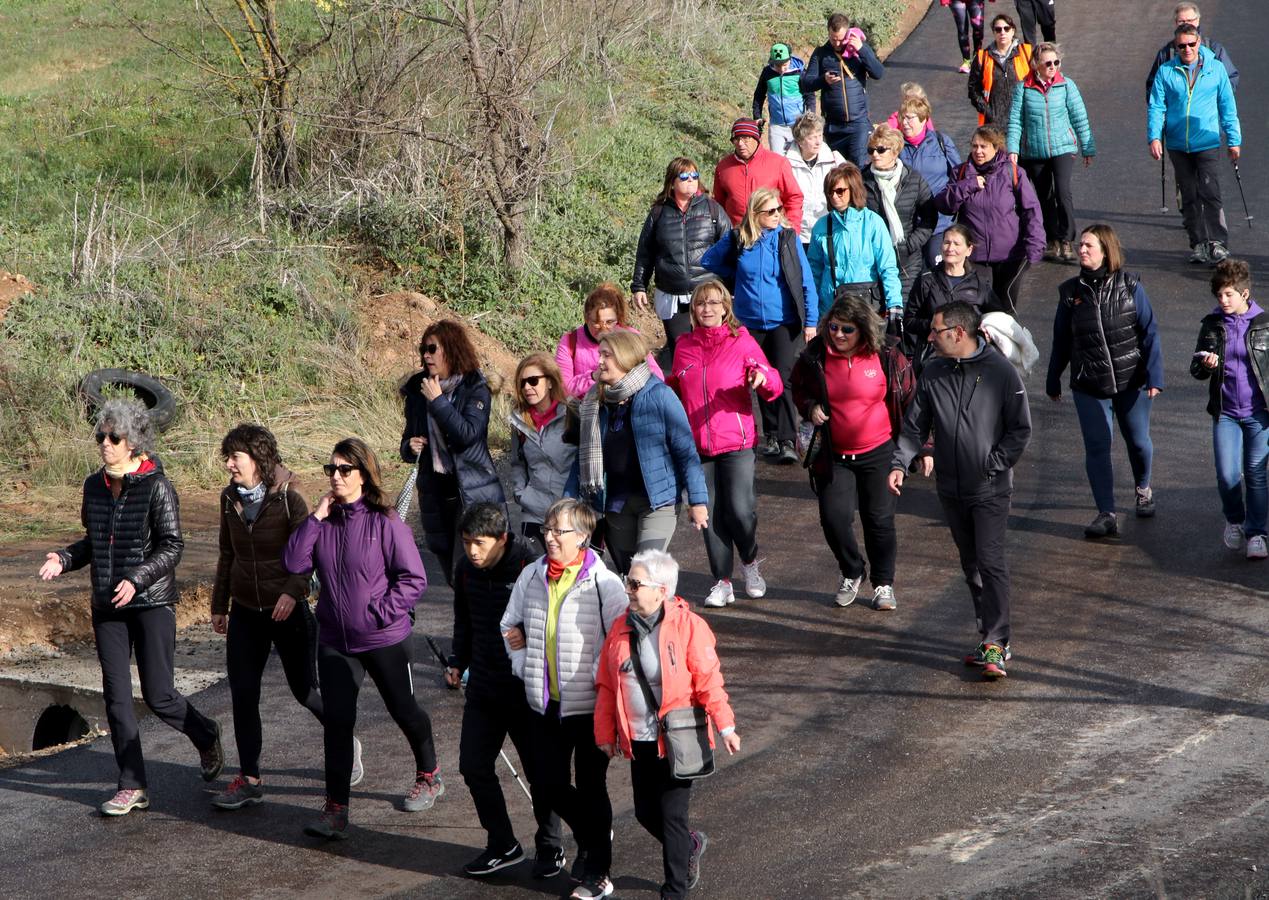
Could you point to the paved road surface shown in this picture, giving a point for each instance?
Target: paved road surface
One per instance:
(1124, 756)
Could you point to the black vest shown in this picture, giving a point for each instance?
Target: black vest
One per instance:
(1106, 350)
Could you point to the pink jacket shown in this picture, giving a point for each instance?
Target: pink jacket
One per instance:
(578, 358)
(709, 375)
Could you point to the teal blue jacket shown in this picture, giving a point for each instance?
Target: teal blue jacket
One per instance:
(861, 252)
(1191, 120)
(1044, 123)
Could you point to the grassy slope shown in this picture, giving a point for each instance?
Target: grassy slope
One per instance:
(181, 282)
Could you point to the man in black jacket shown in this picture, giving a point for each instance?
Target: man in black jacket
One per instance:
(496, 706)
(974, 402)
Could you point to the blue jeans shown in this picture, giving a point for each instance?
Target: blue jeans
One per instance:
(1242, 447)
(1131, 409)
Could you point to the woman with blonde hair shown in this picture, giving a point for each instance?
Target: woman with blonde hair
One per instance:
(902, 198)
(541, 457)
(635, 455)
(774, 297)
(716, 365)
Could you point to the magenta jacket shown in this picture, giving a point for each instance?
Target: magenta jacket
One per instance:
(709, 372)
(578, 358)
(370, 572)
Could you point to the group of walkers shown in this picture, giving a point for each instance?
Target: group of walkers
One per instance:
(864, 283)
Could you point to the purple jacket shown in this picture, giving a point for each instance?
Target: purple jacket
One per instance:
(370, 572)
(1240, 394)
(1005, 216)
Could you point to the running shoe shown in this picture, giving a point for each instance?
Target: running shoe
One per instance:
(1199, 255)
(593, 888)
(1105, 525)
(770, 446)
(1256, 548)
(358, 770)
(720, 595)
(492, 860)
(883, 598)
(1145, 503)
(240, 793)
(700, 840)
(125, 802)
(1234, 537)
(993, 662)
(847, 591)
(549, 863)
(427, 789)
(1217, 252)
(212, 760)
(964, 69)
(978, 656)
(332, 824)
(755, 584)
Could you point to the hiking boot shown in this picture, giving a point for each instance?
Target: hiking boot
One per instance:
(770, 446)
(755, 584)
(1053, 251)
(491, 861)
(593, 888)
(993, 662)
(358, 770)
(883, 598)
(1199, 255)
(1234, 537)
(788, 454)
(427, 788)
(212, 760)
(978, 656)
(1067, 251)
(847, 591)
(964, 69)
(240, 793)
(332, 824)
(1217, 252)
(1105, 525)
(1145, 503)
(125, 802)
(549, 863)
(700, 840)
(720, 595)
(1256, 547)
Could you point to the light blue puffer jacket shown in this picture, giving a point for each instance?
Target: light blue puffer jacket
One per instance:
(1192, 121)
(1048, 123)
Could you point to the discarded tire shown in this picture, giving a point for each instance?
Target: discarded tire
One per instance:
(160, 401)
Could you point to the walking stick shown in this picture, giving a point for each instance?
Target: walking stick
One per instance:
(1239, 178)
(1163, 184)
(440, 657)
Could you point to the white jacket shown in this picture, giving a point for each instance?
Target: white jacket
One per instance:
(594, 602)
(1013, 339)
(810, 178)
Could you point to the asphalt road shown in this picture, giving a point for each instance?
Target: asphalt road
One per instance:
(1124, 756)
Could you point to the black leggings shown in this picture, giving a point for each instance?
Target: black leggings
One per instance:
(781, 345)
(1006, 282)
(560, 745)
(252, 634)
(341, 675)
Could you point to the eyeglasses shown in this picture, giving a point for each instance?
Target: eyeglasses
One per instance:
(837, 192)
(556, 532)
(834, 328)
(344, 469)
(531, 380)
(431, 348)
(633, 584)
(114, 438)
(1051, 63)
(877, 151)
(1002, 29)
(773, 211)
(689, 176)
(941, 330)
(713, 301)
(1188, 45)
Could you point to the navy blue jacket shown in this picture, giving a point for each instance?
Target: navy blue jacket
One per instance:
(846, 101)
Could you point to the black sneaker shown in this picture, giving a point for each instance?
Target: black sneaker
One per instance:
(549, 863)
(700, 840)
(212, 760)
(788, 454)
(1105, 525)
(770, 446)
(491, 861)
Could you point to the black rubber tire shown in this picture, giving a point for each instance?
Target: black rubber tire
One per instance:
(160, 401)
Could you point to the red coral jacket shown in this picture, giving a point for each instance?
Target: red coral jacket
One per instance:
(734, 181)
(690, 676)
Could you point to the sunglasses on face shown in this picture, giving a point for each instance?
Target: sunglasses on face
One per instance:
(633, 584)
(877, 151)
(1051, 63)
(835, 328)
(344, 469)
(531, 380)
(1188, 45)
(773, 211)
(114, 438)
(429, 349)
(1001, 29)
(689, 176)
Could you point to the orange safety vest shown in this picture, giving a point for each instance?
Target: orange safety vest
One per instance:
(1021, 68)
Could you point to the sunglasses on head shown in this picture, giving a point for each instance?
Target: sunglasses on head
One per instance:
(114, 438)
(689, 176)
(344, 469)
(431, 348)
(835, 328)
(531, 380)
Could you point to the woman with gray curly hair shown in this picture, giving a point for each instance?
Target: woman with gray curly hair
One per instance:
(133, 542)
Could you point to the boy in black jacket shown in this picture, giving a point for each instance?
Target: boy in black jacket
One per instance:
(495, 706)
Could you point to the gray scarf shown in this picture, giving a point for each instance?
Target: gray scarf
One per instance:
(888, 185)
(251, 499)
(590, 455)
(441, 458)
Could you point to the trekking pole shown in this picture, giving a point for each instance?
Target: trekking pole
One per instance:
(1239, 178)
(440, 657)
(1163, 185)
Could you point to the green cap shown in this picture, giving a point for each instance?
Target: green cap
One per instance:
(780, 53)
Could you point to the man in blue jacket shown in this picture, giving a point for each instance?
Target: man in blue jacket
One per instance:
(1187, 13)
(1191, 103)
(840, 70)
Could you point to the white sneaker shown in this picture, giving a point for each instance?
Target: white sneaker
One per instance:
(1256, 547)
(755, 584)
(358, 769)
(720, 595)
(847, 591)
(1234, 537)
(883, 598)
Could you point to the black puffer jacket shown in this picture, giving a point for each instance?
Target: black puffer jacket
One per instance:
(931, 291)
(1211, 339)
(480, 599)
(915, 205)
(1104, 329)
(135, 538)
(672, 243)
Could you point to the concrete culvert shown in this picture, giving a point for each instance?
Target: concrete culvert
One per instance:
(58, 725)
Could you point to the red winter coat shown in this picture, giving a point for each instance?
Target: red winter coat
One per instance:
(734, 181)
(709, 374)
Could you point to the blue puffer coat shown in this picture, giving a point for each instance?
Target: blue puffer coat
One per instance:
(1045, 122)
(1192, 121)
(936, 158)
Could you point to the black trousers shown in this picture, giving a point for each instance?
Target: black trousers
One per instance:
(443, 543)
(487, 723)
(562, 744)
(1198, 177)
(1052, 180)
(1006, 281)
(252, 634)
(860, 483)
(1036, 12)
(151, 633)
(661, 803)
(733, 511)
(676, 326)
(978, 528)
(781, 346)
(342, 675)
